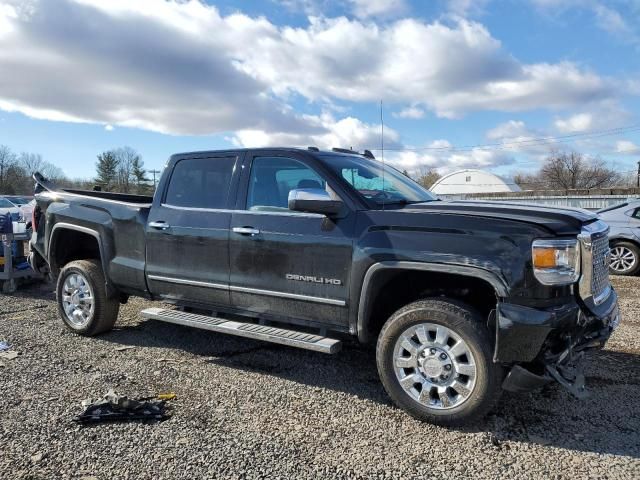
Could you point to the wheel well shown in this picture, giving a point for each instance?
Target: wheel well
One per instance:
(68, 245)
(613, 241)
(393, 289)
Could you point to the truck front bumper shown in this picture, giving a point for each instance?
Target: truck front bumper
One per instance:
(542, 345)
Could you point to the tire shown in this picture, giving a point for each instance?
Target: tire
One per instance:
(625, 259)
(78, 282)
(473, 373)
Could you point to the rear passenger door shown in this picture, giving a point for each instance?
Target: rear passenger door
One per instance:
(188, 232)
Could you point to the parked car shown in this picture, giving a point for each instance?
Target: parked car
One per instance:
(7, 207)
(301, 247)
(18, 200)
(624, 237)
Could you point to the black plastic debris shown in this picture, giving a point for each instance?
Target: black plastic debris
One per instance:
(117, 408)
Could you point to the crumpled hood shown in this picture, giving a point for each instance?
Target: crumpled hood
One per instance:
(562, 221)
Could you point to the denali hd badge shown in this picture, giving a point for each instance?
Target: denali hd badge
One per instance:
(312, 279)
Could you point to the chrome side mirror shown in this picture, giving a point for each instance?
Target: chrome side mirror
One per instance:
(314, 200)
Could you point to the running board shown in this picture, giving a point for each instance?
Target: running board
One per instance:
(291, 338)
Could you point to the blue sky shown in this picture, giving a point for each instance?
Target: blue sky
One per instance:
(81, 76)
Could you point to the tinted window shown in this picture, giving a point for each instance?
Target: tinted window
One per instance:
(4, 203)
(272, 178)
(200, 183)
(636, 213)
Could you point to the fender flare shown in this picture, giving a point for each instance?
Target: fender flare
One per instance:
(68, 226)
(493, 279)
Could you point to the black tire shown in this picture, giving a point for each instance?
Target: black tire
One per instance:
(632, 249)
(105, 310)
(467, 325)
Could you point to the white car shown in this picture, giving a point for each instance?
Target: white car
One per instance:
(7, 207)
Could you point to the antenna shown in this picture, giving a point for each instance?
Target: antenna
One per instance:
(382, 150)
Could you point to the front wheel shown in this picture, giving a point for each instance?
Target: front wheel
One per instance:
(83, 303)
(434, 360)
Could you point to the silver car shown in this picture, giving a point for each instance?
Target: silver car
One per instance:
(624, 237)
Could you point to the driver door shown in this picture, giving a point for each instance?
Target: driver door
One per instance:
(287, 264)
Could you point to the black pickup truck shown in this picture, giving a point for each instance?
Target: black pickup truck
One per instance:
(305, 248)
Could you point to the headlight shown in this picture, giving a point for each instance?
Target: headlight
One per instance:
(556, 262)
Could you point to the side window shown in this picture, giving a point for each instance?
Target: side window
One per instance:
(636, 213)
(200, 183)
(272, 178)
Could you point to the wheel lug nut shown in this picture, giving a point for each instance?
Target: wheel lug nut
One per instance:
(443, 377)
(443, 356)
(432, 351)
(447, 367)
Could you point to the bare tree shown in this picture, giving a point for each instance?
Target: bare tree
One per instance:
(7, 162)
(427, 176)
(570, 171)
(33, 162)
(127, 159)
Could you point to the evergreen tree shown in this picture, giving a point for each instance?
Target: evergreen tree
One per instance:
(139, 175)
(107, 169)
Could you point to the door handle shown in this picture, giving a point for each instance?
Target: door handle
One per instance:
(246, 230)
(160, 225)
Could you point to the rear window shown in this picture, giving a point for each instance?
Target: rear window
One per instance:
(200, 183)
(4, 203)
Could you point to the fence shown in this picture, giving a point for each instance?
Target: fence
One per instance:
(590, 199)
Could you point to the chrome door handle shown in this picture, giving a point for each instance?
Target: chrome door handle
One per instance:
(159, 225)
(246, 230)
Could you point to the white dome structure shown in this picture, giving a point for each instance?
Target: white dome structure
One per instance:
(472, 181)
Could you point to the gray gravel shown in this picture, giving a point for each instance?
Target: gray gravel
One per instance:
(247, 409)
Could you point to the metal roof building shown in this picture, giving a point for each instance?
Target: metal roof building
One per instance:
(472, 181)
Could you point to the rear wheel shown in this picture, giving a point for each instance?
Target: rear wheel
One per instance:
(625, 259)
(434, 360)
(82, 298)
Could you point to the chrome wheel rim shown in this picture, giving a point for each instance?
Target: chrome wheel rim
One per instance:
(622, 259)
(434, 366)
(77, 300)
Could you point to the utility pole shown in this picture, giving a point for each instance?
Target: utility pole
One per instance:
(638, 178)
(158, 171)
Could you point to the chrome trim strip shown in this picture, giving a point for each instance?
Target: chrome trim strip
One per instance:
(293, 296)
(182, 281)
(585, 237)
(257, 291)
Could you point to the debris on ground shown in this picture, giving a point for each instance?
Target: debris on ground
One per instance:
(4, 346)
(113, 407)
(126, 347)
(10, 355)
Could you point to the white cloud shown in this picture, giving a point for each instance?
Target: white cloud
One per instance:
(373, 8)
(580, 122)
(626, 146)
(347, 132)
(108, 128)
(180, 67)
(414, 113)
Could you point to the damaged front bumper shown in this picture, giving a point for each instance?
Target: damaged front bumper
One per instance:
(549, 345)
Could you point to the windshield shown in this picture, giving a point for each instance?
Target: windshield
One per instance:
(366, 176)
(4, 203)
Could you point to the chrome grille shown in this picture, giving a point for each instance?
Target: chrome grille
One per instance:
(600, 279)
(594, 243)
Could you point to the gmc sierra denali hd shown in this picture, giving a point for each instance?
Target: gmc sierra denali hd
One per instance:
(304, 247)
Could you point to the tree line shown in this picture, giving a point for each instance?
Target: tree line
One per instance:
(117, 170)
(560, 170)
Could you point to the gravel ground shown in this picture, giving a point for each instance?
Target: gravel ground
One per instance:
(247, 409)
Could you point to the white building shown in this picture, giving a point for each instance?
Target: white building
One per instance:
(472, 181)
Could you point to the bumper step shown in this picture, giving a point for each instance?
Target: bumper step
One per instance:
(281, 336)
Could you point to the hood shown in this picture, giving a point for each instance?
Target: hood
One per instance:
(562, 221)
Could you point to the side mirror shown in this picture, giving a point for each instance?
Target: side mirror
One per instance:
(314, 200)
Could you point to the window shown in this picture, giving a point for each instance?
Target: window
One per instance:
(372, 181)
(636, 213)
(272, 178)
(467, 179)
(200, 183)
